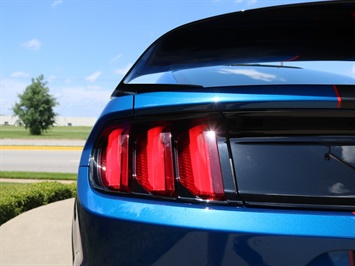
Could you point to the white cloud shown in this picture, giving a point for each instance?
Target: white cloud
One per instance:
(33, 44)
(338, 188)
(51, 78)
(251, 73)
(116, 58)
(19, 74)
(56, 2)
(247, 2)
(9, 89)
(80, 100)
(84, 101)
(94, 76)
(124, 70)
(251, 2)
(348, 154)
(92, 87)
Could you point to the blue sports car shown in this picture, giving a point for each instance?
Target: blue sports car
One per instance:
(224, 146)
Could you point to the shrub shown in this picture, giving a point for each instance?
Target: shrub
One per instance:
(18, 198)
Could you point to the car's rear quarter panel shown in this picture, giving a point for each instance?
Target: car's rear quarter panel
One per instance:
(148, 232)
(119, 230)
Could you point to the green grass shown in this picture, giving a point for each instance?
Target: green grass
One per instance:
(8, 185)
(59, 132)
(37, 175)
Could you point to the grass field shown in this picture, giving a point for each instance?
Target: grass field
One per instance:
(59, 132)
(37, 175)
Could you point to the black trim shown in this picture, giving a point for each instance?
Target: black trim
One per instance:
(246, 125)
(347, 94)
(300, 202)
(141, 88)
(294, 172)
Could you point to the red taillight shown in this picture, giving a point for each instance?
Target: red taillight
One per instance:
(199, 166)
(146, 162)
(113, 161)
(154, 162)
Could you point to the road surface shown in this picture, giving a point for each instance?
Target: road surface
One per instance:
(39, 158)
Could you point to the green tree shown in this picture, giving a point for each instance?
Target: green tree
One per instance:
(35, 108)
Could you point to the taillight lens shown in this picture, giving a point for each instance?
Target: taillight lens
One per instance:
(152, 160)
(113, 161)
(199, 166)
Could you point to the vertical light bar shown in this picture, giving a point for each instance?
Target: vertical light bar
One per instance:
(214, 162)
(168, 162)
(124, 162)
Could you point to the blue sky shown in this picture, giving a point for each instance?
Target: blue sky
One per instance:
(83, 48)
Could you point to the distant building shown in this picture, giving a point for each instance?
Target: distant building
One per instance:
(60, 121)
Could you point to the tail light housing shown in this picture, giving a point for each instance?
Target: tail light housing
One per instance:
(113, 161)
(173, 160)
(198, 162)
(154, 161)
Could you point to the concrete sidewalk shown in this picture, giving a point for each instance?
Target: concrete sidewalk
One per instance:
(41, 236)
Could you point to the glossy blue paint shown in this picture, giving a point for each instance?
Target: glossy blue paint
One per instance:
(253, 96)
(118, 104)
(151, 244)
(244, 75)
(215, 218)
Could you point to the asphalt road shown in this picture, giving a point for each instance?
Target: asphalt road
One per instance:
(40, 160)
(40, 155)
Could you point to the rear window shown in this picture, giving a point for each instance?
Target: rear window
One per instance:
(279, 73)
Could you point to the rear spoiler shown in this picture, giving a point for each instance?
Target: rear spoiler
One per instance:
(300, 32)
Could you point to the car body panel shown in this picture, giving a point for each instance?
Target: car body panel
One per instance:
(197, 91)
(276, 73)
(217, 218)
(221, 234)
(244, 98)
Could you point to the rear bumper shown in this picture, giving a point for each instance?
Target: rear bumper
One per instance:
(117, 230)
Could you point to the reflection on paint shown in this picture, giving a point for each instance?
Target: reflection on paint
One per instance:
(251, 73)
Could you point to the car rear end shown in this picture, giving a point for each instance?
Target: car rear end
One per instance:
(221, 163)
